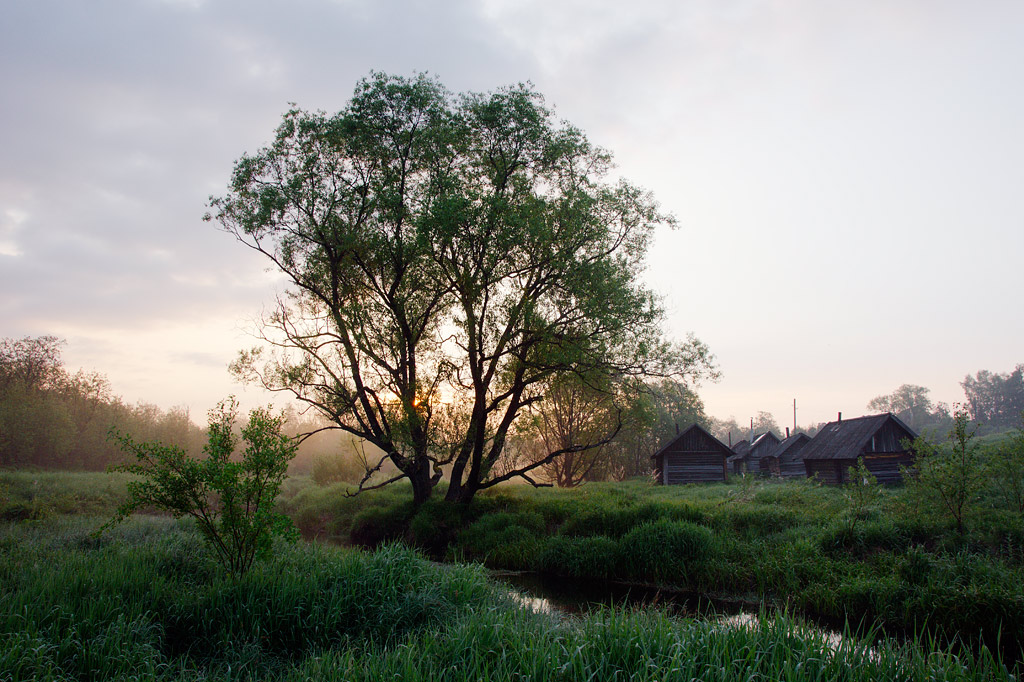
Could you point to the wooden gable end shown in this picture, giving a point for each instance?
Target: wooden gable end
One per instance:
(888, 438)
(695, 456)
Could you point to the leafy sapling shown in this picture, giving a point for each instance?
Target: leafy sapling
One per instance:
(861, 491)
(230, 495)
(953, 475)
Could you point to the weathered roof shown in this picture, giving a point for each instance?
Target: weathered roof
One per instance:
(764, 445)
(796, 442)
(741, 448)
(715, 442)
(847, 439)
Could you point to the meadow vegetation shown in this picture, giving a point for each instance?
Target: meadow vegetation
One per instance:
(144, 603)
(880, 562)
(889, 561)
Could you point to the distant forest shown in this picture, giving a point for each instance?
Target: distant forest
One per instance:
(51, 418)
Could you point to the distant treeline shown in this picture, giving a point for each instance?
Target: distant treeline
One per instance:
(994, 401)
(53, 419)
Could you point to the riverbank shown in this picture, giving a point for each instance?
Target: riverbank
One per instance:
(145, 602)
(794, 546)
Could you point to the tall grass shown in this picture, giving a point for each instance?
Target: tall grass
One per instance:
(788, 544)
(145, 604)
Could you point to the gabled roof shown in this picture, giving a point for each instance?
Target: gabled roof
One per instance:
(795, 442)
(847, 439)
(715, 442)
(761, 442)
(764, 445)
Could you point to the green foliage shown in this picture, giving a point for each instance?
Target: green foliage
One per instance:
(995, 399)
(53, 419)
(142, 604)
(1006, 470)
(375, 526)
(861, 490)
(954, 475)
(231, 500)
(594, 557)
(507, 539)
(468, 246)
(664, 550)
(336, 468)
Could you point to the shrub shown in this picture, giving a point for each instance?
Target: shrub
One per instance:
(231, 501)
(329, 469)
(954, 475)
(504, 539)
(374, 526)
(664, 550)
(435, 525)
(585, 557)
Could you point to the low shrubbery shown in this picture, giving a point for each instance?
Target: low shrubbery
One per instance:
(780, 544)
(141, 603)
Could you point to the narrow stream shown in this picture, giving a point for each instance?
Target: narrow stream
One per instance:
(549, 594)
(571, 596)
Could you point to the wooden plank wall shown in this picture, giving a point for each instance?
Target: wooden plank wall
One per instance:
(792, 467)
(693, 467)
(828, 471)
(889, 439)
(788, 467)
(886, 465)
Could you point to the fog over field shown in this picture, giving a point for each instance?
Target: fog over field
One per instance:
(846, 176)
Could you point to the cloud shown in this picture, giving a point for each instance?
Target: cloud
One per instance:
(874, 147)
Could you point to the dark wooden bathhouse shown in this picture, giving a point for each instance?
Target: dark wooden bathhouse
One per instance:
(694, 456)
(785, 461)
(878, 439)
(746, 455)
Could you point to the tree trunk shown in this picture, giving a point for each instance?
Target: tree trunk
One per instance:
(422, 483)
(461, 493)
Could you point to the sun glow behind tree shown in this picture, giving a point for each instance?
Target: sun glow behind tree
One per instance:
(449, 255)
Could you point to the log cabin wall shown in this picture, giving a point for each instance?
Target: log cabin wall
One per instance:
(693, 467)
(886, 466)
(695, 456)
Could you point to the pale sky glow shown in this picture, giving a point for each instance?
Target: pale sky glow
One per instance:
(847, 176)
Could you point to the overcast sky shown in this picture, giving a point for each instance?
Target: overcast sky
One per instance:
(848, 176)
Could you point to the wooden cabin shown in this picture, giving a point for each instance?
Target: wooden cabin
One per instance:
(694, 456)
(745, 455)
(786, 461)
(878, 439)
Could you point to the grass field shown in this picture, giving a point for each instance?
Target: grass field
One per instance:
(145, 602)
(895, 568)
(896, 565)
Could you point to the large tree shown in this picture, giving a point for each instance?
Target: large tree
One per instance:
(447, 257)
(908, 402)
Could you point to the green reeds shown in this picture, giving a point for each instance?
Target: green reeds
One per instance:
(146, 605)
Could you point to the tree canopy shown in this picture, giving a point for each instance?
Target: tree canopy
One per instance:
(995, 399)
(448, 256)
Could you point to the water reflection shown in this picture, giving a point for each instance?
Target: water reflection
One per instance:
(561, 596)
(568, 596)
